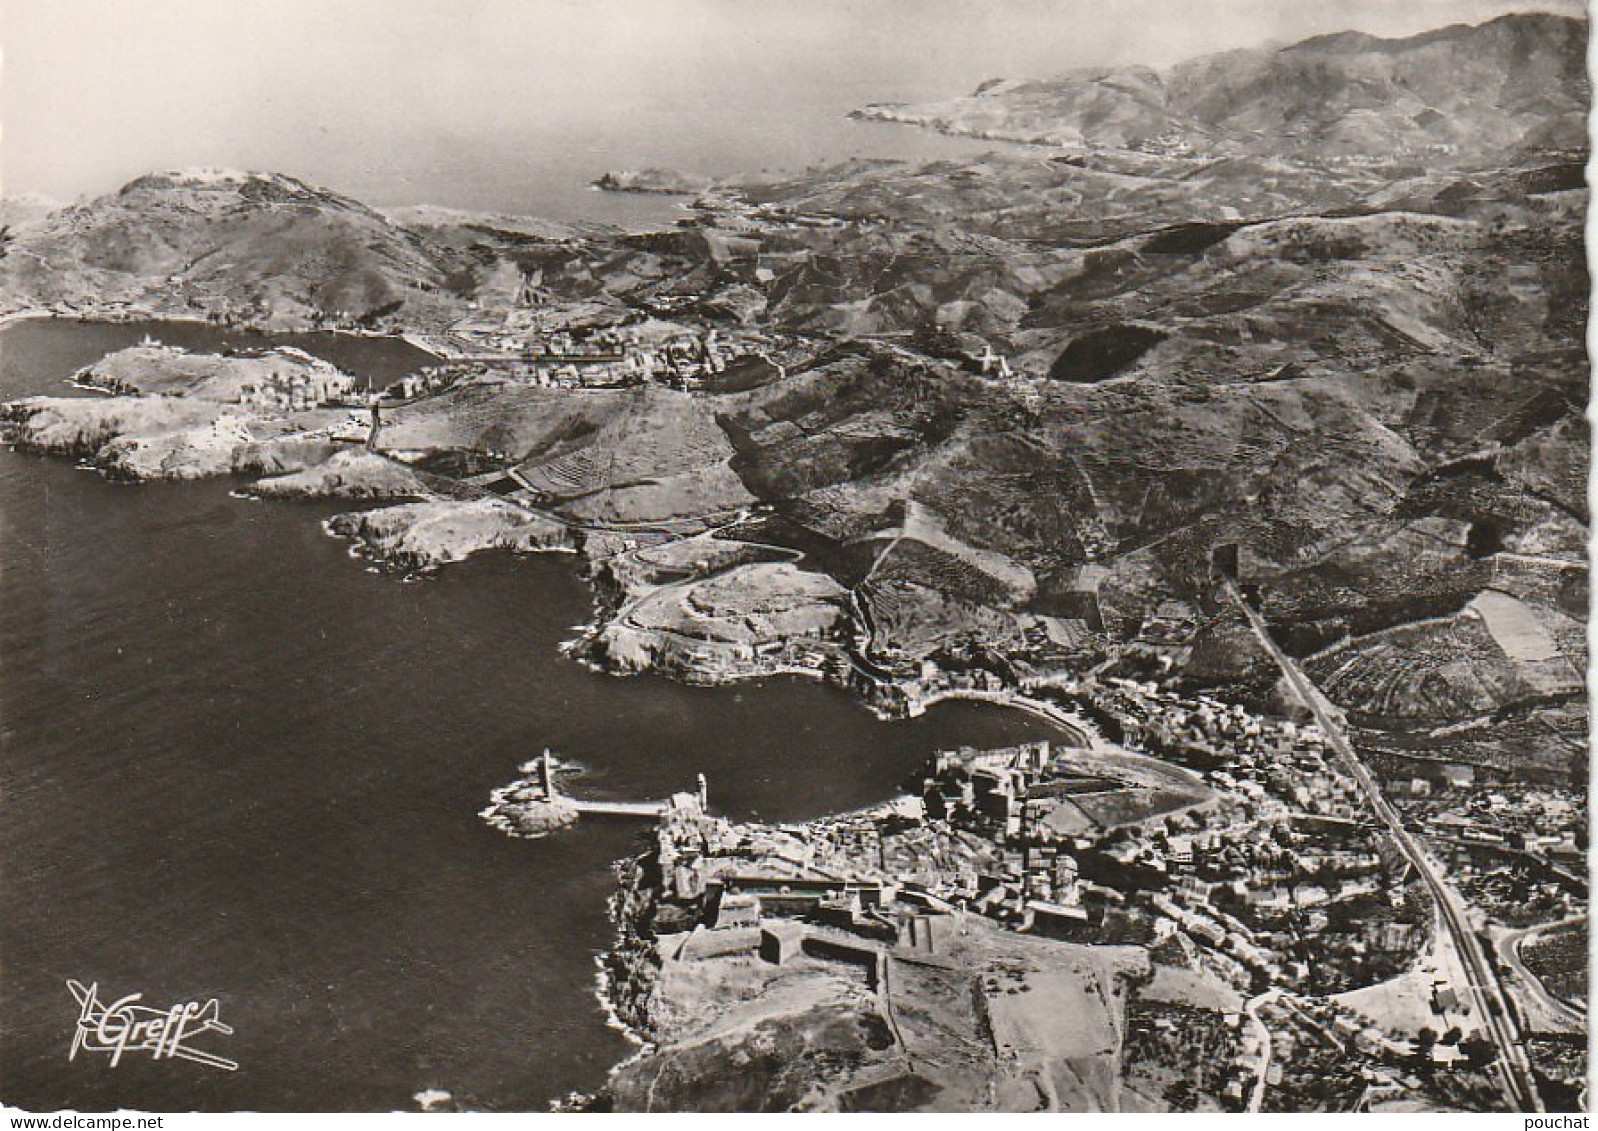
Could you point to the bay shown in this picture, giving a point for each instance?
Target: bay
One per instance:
(238, 763)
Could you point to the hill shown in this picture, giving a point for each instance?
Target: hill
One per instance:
(1020, 405)
(256, 247)
(1460, 96)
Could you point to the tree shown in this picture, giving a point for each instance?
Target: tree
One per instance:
(1425, 1041)
(1479, 1051)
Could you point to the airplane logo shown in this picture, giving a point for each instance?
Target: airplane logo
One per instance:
(126, 1026)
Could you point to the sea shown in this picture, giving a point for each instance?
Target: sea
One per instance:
(504, 179)
(239, 763)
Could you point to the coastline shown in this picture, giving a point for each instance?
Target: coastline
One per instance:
(432, 343)
(624, 952)
(489, 457)
(698, 999)
(396, 535)
(887, 114)
(24, 315)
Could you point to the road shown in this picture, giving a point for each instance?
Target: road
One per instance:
(1262, 1068)
(1562, 1012)
(1080, 731)
(1487, 995)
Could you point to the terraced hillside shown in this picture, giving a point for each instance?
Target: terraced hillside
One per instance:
(1352, 366)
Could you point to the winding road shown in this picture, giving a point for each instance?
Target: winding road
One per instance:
(1560, 1011)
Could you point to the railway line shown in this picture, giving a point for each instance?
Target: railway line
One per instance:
(1484, 989)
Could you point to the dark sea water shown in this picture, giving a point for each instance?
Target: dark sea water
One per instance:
(37, 355)
(236, 763)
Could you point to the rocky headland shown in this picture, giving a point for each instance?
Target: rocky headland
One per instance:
(347, 473)
(1297, 328)
(670, 182)
(751, 620)
(424, 535)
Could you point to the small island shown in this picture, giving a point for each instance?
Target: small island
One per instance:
(1239, 435)
(668, 182)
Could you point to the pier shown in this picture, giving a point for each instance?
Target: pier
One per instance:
(620, 808)
(643, 809)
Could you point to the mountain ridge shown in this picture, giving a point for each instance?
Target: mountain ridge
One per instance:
(1031, 430)
(1173, 331)
(1457, 94)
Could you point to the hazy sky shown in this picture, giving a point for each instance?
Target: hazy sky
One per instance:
(461, 101)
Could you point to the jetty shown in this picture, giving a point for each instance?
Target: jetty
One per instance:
(533, 805)
(650, 809)
(621, 808)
